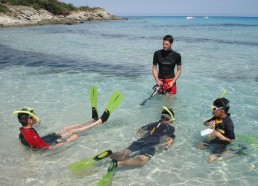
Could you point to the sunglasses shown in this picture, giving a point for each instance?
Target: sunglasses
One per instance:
(166, 117)
(216, 108)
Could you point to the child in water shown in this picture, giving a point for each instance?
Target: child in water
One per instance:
(30, 138)
(223, 129)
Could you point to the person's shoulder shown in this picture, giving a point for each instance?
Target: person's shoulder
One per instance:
(28, 131)
(171, 127)
(158, 51)
(25, 129)
(228, 119)
(152, 123)
(156, 122)
(176, 53)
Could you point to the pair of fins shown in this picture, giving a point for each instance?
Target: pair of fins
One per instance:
(88, 162)
(114, 101)
(116, 98)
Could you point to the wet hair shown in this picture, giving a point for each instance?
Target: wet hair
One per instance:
(23, 118)
(168, 38)
(165, 112)
(223, 103)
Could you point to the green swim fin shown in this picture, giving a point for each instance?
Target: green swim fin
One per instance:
(87, 162)
(107, 177)
(116, 98)
(248, 139)
(93, 102)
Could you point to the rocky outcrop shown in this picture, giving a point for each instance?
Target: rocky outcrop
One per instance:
(23, 15)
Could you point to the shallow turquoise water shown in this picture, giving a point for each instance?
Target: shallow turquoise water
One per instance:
(52, 67)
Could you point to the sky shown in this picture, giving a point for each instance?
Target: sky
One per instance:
(173, 7)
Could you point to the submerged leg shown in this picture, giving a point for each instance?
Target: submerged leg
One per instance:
(121, 155)
(212, 158)
(68, 128)
(136, 161)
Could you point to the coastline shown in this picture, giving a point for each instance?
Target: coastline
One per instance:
(27, 16)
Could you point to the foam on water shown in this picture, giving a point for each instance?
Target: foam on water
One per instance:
(51, 68)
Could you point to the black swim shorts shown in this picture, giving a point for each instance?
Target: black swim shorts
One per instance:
(53, 139)
(144, 147)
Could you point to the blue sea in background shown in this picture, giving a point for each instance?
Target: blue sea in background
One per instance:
(52, 67)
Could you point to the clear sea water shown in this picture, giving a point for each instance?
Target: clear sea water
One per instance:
(52, 67)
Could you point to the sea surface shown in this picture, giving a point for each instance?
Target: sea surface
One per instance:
(52, 67)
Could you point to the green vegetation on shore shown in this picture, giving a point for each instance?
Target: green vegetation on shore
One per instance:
(53, 6)
(3, 8)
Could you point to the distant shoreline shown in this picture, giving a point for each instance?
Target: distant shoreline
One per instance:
(27, 16)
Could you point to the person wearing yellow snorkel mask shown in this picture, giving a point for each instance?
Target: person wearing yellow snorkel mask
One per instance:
(30, 138)
(222, 129)
(146, 145)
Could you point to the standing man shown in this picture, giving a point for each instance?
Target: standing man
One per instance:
(167, 59)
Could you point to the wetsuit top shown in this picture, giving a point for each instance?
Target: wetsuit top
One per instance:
(29, 137)
(157, 130)
(167, 60)
(226, 125)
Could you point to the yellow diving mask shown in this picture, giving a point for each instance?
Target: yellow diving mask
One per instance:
(172, 118)
(29, 111)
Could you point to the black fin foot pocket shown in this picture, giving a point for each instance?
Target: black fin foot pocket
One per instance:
(95, 115)
(112, 165)
(105, 116)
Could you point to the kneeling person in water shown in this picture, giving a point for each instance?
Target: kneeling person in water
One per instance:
(146, 145)
(223, 129)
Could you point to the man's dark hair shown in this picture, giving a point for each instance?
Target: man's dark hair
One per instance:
(168, 38)
(223, 103)
(23, 118)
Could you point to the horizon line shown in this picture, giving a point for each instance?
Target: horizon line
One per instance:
(250, 16)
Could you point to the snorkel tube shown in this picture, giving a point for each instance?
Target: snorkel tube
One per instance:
(170, 113)
(29, 111)
(223, 93)
(221, 96)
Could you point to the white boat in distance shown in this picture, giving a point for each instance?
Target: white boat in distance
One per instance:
(190, 17)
